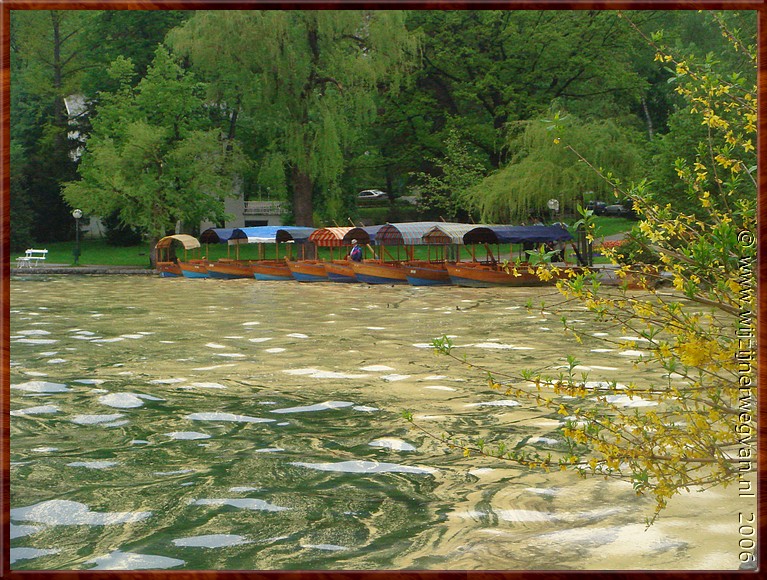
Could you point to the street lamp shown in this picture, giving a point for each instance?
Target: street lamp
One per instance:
(553, 205)
(77, 214)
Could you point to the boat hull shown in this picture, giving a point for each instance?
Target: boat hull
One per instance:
(169, 270)
(340, 271)
(377, 272)
(229, 270)
(274, 271)
(308, 271)
(488, 276)
(196, 269)
(427, 274)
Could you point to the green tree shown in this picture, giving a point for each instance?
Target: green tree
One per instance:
(131, 34)
(309, 80)
(445, 193)
(21, 216)
(152, 154)
(485, 70)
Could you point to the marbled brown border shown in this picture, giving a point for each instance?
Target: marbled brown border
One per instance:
(7, 5)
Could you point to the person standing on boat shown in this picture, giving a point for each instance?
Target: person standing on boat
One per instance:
(356, 252)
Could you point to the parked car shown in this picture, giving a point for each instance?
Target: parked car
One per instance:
(598, 207)
(624, 209)
(371, 194)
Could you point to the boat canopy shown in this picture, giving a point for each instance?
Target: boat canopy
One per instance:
(403, 234)
(270, 234)
(504, 234)
(448, 233)
(189, 242)
(330, 237)
(297, 234)
(216, 235)
(534, 234)
(364, 235)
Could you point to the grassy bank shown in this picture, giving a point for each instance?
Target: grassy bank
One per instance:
(93, 252)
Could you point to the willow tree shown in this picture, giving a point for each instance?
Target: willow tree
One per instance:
(308, 79)
(541, 169)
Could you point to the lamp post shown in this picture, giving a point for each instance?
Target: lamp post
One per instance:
(553, 205)
(77, 214)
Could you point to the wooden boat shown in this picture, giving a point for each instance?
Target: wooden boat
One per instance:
(271, 270)
(194, 268)
(379, 272)
(486, 275)
(427, 273)
(313, 270)
(388, 268)
(167, 263)
(332, 270)
(444, 240)
(274, 269)
(169, 270)
(340, 271)
(489, 270)
(308, 270)
(226, 269)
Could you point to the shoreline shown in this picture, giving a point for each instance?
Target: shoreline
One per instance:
(64, 269)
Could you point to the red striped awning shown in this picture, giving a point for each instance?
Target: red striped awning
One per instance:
(329, 237)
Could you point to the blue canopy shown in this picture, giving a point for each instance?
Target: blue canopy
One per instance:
(534, 234)
(516, 234)
(270, 234)
(216, 235)
(297, 234)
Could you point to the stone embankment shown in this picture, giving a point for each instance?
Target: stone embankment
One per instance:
(65, 269)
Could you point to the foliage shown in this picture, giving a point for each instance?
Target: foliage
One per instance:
(635, 249)
(310, 79)
(21, 215)
(151, 156)
(445, 193)
(47, 65)
(540, 169)
(131, 34)
(694, 429)
(118, 233)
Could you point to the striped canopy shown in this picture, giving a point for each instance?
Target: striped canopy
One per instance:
(403, 234)
(330, 237)
(448, 233)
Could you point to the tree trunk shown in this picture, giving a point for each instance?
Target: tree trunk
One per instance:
(303, 211)
(153, 251)
(647, 118)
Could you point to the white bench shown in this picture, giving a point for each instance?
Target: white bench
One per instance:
(31, 258)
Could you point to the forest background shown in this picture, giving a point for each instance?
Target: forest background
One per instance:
(186, 108)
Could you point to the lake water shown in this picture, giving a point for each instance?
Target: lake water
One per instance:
(213, 424)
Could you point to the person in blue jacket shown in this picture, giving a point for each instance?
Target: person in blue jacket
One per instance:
(356, 252)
